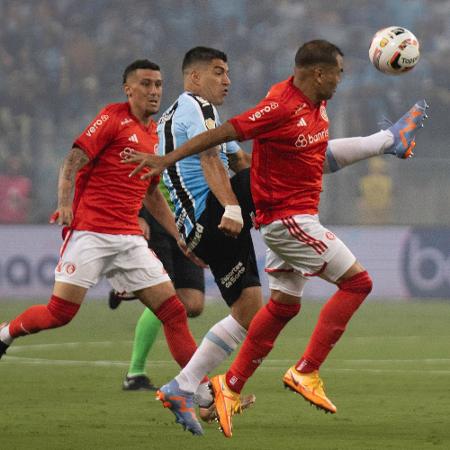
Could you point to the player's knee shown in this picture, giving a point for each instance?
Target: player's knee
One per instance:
(359, 283)
(194, 310)
(61, 311)
(193, 300)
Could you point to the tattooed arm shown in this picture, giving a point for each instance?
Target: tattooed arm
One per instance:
(73, 162)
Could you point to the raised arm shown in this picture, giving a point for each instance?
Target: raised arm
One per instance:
(197, 144)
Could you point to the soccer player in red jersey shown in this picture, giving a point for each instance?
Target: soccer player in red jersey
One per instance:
(290, 132)
(103, 237)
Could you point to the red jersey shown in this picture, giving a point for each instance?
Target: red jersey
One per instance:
(106, 199)
(290, 139)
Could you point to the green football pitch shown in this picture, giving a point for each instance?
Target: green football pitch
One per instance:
(389, 377)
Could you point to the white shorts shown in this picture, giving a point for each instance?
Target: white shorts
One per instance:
(125, 260)
(300, 247)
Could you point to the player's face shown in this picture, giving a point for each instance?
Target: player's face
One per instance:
(213, 81)
(331, 77)
(144, 89)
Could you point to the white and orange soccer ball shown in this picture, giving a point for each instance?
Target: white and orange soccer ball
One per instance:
(394, 50)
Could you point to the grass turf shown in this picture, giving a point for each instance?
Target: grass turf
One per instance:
(389, 377)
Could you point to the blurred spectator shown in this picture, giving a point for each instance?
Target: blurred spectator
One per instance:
(375, 200)
(15, 190)
(59, 61)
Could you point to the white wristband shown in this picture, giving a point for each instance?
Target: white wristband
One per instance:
(233, 212)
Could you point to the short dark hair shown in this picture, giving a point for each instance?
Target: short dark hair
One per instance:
(317, 52)
(139, 64)
(202, 54)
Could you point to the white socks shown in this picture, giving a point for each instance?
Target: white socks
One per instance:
(347, 151)
(220, 341)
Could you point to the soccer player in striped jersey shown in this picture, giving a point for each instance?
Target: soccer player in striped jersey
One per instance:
(213, 214)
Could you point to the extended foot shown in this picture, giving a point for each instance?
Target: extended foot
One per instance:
(228, 403)
(138, 383)
(209, 414)
(310, 387)
(404, 130)
(181, 403)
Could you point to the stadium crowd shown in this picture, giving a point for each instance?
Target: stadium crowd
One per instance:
(59, 61)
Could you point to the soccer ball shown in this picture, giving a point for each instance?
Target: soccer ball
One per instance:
(394, 50)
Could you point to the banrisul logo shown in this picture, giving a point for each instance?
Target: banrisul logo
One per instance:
(426, 263)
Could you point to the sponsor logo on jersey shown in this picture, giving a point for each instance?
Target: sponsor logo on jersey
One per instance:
(210, 123)
(330, 236)
(133, 138)
(323, 113)
(126, 152)
(96, 124)
(310, 139)
(260, 113)
(302, 122)
(126, 121)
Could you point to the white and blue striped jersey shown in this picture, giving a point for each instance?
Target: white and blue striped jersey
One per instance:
(188, 116)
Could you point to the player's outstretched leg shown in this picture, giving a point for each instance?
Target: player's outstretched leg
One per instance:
(181, 403)
(310, 387)
(228, 403)
(404, 130)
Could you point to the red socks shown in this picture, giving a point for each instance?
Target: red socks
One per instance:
(264, 329)
(333, 319)
(56, 313)
(173, 316)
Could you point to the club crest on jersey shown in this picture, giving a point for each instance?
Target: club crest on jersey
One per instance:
(67, 267)
(323, 113)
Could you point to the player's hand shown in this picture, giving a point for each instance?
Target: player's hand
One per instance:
(231, 223)
(62, 216)
(191, 255)
(144, 160)
(145, 227)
